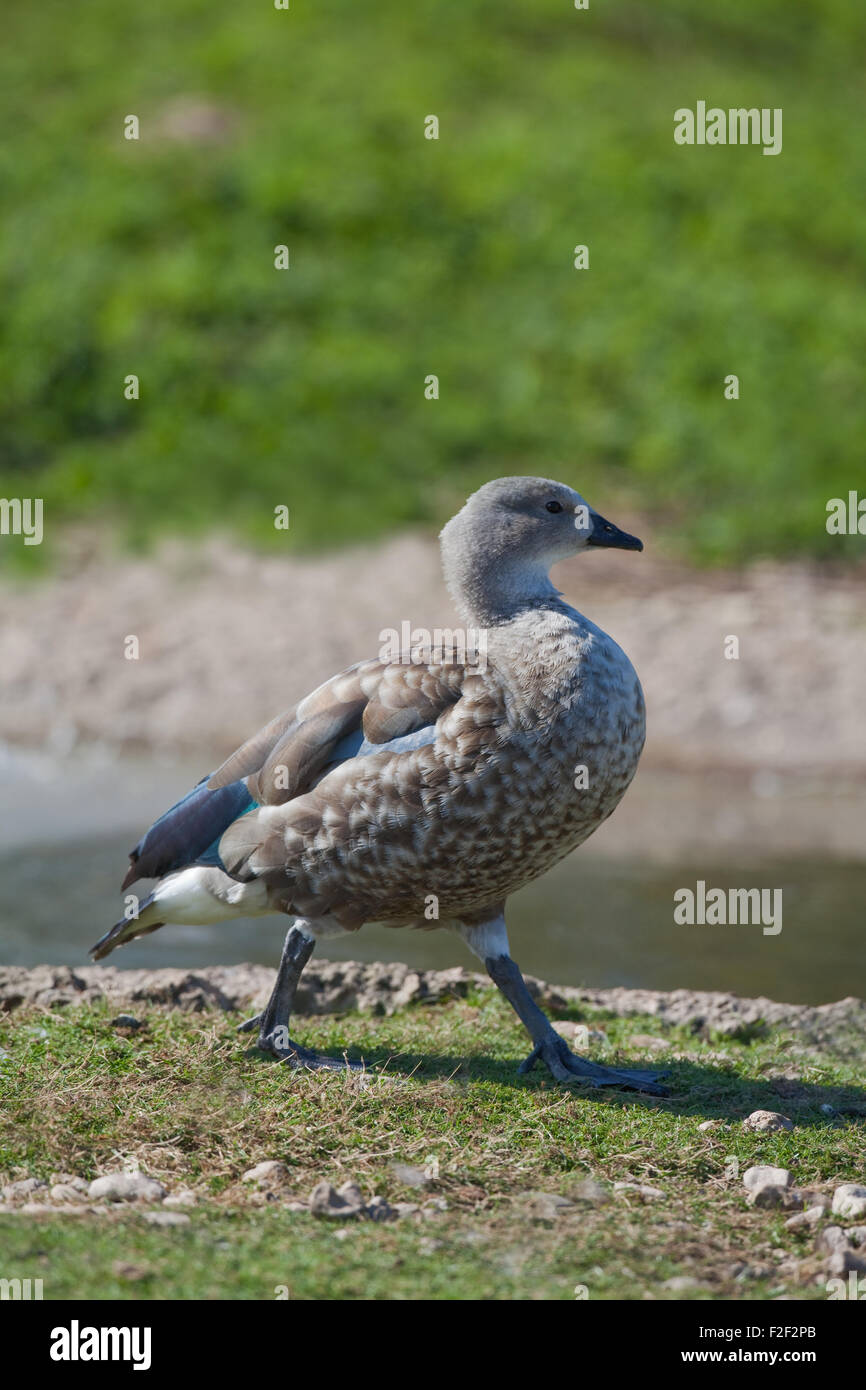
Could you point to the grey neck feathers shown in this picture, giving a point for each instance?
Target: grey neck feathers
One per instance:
(490, 579)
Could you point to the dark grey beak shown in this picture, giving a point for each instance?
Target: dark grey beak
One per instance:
(605, 533)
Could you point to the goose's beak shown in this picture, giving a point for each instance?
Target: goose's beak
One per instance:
(605, 533)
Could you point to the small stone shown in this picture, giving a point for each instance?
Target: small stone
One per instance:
(706, 1125)
(24, 1187)
(680, 1283)
(647, 1042)
(843, 1261)
(428, 1246)
(66, 1192)
(568, 1029)
(766, 1121)
(797, 1222)
(771, 1194)
(762, 1173)
(434, 1205)
(856, 1234)
(591, 1191)
(271, 1173)
(832, 1238)
(545, 1206)
(849, 1200)
(324, 1201)
(127, 1021)
(126, 1187)
(295, 1206)
(811, 1198)
(379, 1210)
(403, 1209)
(814, 1214)
(80, 1183)
(165, 1218)
(176, 1200)
(410, 1176)
(638, 1189)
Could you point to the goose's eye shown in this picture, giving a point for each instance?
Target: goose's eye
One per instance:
(553, 506)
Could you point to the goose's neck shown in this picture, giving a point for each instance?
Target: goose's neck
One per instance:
(491, 590)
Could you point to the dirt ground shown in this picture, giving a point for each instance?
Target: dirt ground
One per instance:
(227, 638)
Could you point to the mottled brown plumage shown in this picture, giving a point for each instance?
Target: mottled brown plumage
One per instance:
(424, 791)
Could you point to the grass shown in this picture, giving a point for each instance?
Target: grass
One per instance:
(186, 1099)
(305, 388)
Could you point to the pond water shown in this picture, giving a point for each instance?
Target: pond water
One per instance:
(597, 919)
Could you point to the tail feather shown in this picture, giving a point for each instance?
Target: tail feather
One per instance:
(189, 832)
(127, 929)
(197, 896)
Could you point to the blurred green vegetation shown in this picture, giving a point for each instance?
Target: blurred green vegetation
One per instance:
(410, 257)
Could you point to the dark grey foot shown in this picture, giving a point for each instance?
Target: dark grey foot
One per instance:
(291, 1054)
(565, 1065)
(249, 1024)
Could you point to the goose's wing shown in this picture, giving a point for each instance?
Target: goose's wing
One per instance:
(362, 709)
(426, 753)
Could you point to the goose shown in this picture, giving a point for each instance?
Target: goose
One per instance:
(423, 791)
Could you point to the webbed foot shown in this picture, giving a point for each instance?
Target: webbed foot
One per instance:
(565, 1065)
(278, 1044)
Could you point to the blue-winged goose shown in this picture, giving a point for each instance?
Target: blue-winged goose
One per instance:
(400, 783)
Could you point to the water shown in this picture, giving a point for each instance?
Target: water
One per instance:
(597, 919)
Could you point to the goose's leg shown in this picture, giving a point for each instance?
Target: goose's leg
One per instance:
(273, 1022)
(490, 943)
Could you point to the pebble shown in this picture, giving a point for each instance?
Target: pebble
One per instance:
(647, 1041)
(184, 1198)
(165, 1218)
(22, 1188)
(378, 1209)
(849, 1200)
(545, 1206)
(797, 1221)
(127, 1021)
(409, 1175)
(591, 1191)
(843, 1261)
(770, 1194)
(346, 1202)
(271, 1173)
(568, 1029)
(808, 1218)
(761, 1173)
(766, 1121)
(68, 1192)
(638, 1189)
(830, 1239)
(126, 1187)
(80, 1183)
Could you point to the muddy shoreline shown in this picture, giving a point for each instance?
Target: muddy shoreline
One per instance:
(336, 987)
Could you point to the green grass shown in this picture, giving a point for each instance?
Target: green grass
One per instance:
(409, 257)
(197, 1109)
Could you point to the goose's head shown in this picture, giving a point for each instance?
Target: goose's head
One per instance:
(497, 551)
